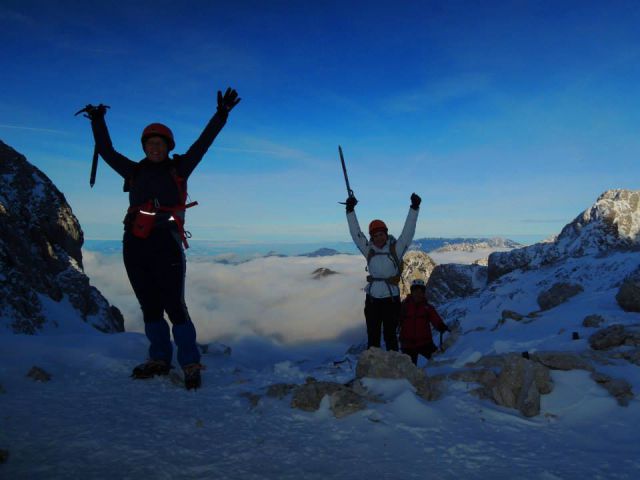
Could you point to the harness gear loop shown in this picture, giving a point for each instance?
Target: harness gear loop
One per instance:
(144, 221)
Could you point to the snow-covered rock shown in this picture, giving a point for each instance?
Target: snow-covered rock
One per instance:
(612, 223)
(416, 264)
(451, 280)
(40, 255)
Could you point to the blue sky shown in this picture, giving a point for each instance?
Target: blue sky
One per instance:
(508, 118)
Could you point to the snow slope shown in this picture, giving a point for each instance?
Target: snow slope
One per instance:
(92, 421)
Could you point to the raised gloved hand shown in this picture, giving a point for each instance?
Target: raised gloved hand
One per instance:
(227, 101)
(92, 112)
(415, 201)
(351, 203)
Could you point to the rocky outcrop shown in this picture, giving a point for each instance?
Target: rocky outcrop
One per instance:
(520, 384)
(416, 264)
(611, 224)
(558, 294)
(449, 281)
(322, 272)
(593, 321)
(38, 374)
(615, 336)
(562, 361)
(628, 296)
(619, 388)
(343, 400)
(376, 363)
(40, 253)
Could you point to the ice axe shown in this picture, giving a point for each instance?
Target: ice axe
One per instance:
(88, 110)
(346, 177)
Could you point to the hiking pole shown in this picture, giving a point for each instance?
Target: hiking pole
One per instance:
(346, 177)
(94, 164)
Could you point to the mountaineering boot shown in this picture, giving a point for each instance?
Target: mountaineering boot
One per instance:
(151, 368)
(192, 379)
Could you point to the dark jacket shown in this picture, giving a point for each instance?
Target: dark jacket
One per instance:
(415, 323)
(146, 180)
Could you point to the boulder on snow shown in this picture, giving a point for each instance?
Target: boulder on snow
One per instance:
(343, 401)
(614, 336)
(559, 293)
(511, 315)
(617, 387)
(38, 374)
(562, 361)
(520, 384)
(484, 376)
(593, 321)
(280, 390)
(40, 253)
(628, 296)
(376, 363)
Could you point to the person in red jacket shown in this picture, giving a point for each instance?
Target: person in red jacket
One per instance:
(416, 317)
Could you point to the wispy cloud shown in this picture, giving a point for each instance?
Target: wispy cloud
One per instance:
(33, 129)
(443, 91)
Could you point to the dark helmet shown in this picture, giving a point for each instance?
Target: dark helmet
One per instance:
(158, 130)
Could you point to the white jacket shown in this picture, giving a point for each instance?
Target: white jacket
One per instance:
(382, 266)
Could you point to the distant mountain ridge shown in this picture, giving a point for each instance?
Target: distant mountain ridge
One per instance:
(429, 244)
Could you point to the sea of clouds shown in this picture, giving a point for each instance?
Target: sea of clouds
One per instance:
(274, 297)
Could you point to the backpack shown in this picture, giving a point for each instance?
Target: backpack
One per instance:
(393, 255)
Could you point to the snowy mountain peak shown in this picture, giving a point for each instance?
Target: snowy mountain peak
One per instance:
(611, 224)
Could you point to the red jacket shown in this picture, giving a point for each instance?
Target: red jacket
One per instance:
(415, 323)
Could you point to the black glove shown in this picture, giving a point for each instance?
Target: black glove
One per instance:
(415, 201)
(351, 203)
(227, 101)
(92, 112)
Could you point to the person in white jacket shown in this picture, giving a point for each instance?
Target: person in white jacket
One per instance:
(384, 263)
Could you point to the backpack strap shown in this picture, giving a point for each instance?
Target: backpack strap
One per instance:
(393, 255)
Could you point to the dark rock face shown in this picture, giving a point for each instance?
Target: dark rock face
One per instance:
(593, 321)
(558, 294)
(611, 224)
(322, 272)
(40, 252)
(615, 336)
(628, 296)
(449, 281)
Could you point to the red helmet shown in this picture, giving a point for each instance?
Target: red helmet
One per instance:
(158, 130)
(377, 225)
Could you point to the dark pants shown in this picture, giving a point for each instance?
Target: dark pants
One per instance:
(426, 351)
(156, 267)
(382, 313)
